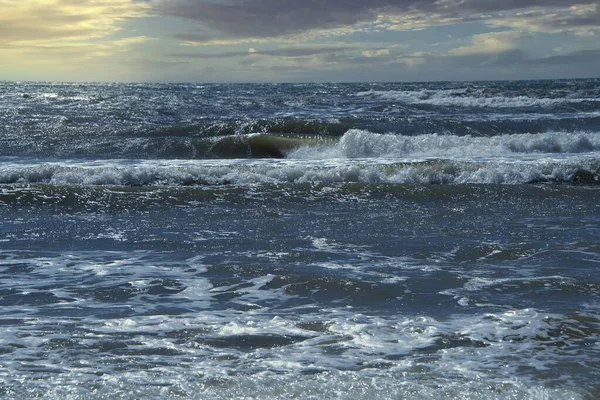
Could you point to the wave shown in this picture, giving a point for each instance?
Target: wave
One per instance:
(253, 126)
(250, 172)
(260, 145)
(53, 96)
(472, 98)
(358, 156)
(172, 144)
(355, 143)
(362, 144)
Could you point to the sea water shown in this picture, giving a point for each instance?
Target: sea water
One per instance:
(314, 241)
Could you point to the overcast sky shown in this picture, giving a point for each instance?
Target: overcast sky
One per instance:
(298, 40)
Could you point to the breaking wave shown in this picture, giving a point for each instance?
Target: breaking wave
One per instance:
(245, 172)
(480, 98)
(358, 156)
(360, 143)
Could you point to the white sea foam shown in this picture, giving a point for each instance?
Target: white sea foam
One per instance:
(359, 156)
(363, 144)
(466, 98)
(255, 288)
(331, 350)
(366, 356)
(340, 171)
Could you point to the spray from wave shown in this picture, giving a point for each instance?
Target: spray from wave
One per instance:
(364, 144)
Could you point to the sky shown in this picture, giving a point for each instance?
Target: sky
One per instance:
(298, 40)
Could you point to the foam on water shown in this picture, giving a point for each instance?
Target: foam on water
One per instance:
(315, 314)
(419, 169)
(471, 98)
(338, 353)
(148, 252)
(361, 144)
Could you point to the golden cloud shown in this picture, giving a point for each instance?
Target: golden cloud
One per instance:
(41, 38)
(44, 22)
(493, 42)
(376, 53)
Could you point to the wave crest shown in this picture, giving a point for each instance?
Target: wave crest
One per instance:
(250, 172)
(364, 144)
(472, 98)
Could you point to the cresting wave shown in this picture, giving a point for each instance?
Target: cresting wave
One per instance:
(359, 156)
(248, 172)
(478, 98)
(359, 143)
(331, 127)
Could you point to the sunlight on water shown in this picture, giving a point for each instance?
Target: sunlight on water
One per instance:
(418, 241)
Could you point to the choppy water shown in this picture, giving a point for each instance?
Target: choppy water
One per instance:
(418, 241)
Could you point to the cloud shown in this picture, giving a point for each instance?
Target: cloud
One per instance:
(376, 53)
(40, 39)
(264, 18)
(290, 52)
(79, 38)
(494, 42)
(35, 21)
(578, 17)
(586, 61)
(582, 20)
(589, 57)
(74, 49)
(247, 20)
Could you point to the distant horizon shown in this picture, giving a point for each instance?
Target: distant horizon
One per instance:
(289, 83)
(286, 41)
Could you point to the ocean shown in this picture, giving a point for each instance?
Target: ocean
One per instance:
(313, 241)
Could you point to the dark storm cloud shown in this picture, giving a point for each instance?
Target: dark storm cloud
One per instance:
(271, 18)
